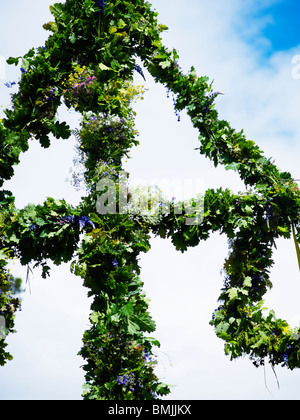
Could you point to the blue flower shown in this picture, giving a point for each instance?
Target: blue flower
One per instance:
(84, 220)
(66, 219)
(9, 84)
(139, 70)
(101, 4)
(115, 263)
(126, 380)
(210, 100)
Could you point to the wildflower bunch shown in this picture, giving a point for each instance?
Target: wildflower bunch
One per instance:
(79, 87)
(133, 93)
(147, 204)
(106, 137)
(133, 383)
(130, 378)
(107, 169)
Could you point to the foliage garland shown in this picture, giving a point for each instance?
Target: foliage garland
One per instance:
(88, 63)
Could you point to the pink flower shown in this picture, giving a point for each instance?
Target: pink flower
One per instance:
(91, 79)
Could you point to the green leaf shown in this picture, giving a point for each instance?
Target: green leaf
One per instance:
(232, 166)
(50, 26)
(247, 209)
(132, 327)
(127, 310)
(3, 255)
(61, 130)
(248, 282)
(103, 67)
(144, 322)
(56, 10)
(153, 341)
(284, 230)
(94, 317)
(95, 218)
(29, 212)
(221, 330)
(13, 60)
(263, 341)
(72, 38)
(25, 64)
(233, 293)
(162, 28)
(44, 141)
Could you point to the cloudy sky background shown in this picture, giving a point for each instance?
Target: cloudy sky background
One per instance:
(247, 48)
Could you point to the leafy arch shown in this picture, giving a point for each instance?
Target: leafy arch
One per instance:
(88, 63)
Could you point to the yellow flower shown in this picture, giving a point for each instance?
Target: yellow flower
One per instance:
(286, 329)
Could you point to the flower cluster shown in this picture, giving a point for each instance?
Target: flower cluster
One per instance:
(82, 221)
(9, 285)
(79, 85)
(127, 380)
(147, 204)
(139, 70)
(107, 169)
(176, 112)
(101, 131)
(52, 94)
(101, 4)
(131, 92)
(210, 100)
(133, 381)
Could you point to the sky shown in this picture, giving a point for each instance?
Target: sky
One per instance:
(249, 49)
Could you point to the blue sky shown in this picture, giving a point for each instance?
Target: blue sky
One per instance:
(283, 27)
(246, 47)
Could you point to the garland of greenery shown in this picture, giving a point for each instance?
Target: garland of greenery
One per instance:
(88, 64)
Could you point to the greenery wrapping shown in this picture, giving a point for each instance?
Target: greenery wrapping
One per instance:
(88, 63)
